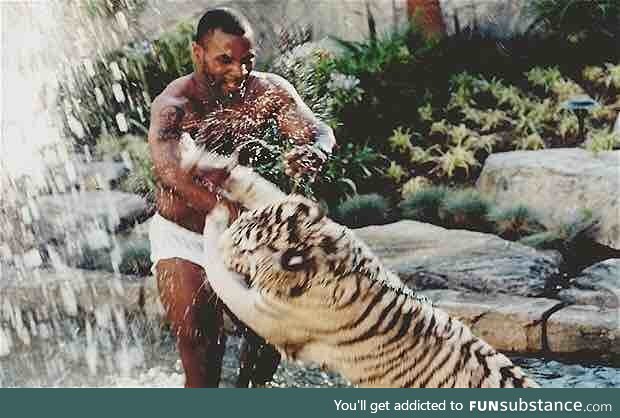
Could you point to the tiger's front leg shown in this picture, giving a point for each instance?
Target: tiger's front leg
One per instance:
(230, 286)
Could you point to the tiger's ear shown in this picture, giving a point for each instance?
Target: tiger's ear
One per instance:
(310, 209)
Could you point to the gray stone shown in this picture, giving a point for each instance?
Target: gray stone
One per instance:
(98, 175)
(584, 329)
(558, 183)
(52, 299)
(508, 323)
(598, 285)
(430, 257)
(501, 18)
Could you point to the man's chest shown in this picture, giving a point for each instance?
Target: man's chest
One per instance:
(208, 123)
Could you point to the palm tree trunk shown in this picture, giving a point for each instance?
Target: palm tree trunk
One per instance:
(427, 15)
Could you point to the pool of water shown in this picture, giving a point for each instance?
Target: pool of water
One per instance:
(157, 364)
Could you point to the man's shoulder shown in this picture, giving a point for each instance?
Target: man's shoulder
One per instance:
(271, 80)
(175, 94)
(275, 83)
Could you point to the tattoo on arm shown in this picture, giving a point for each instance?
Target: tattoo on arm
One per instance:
(170, 123)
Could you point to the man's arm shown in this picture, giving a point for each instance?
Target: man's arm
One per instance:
(164, 143)
(314, 138)
(297, 122)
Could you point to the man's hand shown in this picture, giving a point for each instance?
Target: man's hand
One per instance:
(304, 159)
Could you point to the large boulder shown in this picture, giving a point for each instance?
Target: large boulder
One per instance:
(508, 323)
(585, 330)
(54, 304)
(112, 210)
(430, 257)
(598, 285)
(558, 183)
(535, 325)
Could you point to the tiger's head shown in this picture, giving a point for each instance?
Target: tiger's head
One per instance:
(291, 247)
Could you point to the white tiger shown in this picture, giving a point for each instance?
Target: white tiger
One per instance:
(311, 288)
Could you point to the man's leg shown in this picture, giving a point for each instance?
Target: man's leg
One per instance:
(195, 313)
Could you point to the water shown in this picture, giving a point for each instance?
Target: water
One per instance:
(157, 365)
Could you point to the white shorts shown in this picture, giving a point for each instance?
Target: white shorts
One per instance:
(169, 240)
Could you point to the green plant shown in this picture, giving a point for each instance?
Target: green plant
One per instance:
(465, 209)
(576, 21)
(136, 259)
(353, 169)
(413, 185)
(363, 210)
(457, 155)
(602, 140)
(395, 172)
(423, 205)
(581, 227)
(112, 94)
(134, 152)
(400, 141)
(514, 223)
(530, 142)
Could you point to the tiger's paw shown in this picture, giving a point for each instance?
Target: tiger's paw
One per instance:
(216, 221)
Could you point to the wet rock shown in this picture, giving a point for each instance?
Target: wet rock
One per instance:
(62, 300)
(508, 323)
(598, 285)
(115, 211)
(99, 175)
(577, 178)
(585, 330)
(430, 257)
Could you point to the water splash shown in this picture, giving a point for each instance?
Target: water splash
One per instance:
(54, 318)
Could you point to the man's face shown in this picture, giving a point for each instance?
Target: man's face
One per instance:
(224, 60)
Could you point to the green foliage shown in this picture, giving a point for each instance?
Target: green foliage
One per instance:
(363, 210)
(414, 185)
(134, 152)
(395, 172)
(424, 205)
(514, 223)
(112, 95)
(353, 169)
(465, 209)
(299, 66)
(130, 258)
(602, 140)
(577, 21)
(136, 259)
(578, 232)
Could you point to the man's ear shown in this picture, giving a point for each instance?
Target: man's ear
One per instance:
(197, 51)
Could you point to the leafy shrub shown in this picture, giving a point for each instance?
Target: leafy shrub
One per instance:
(363, 210)
(424, 205)
(602, 140)
(136, 259)
(582, 228)
(577, 21)
(112, 95)
(353, 169)
(465, 209)
(134, 152)
(132, 258)
(413, 185)
(514, 223)
(299, 66)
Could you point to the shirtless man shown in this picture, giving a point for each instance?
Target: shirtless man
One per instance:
(222, 98)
